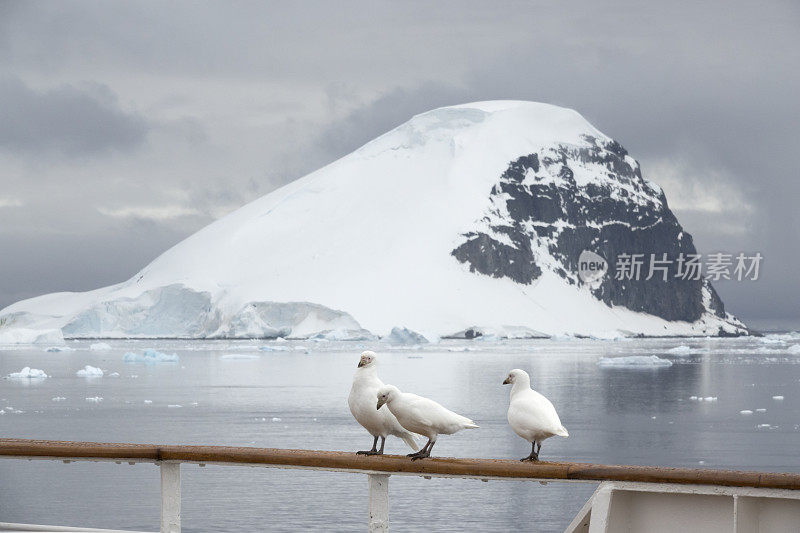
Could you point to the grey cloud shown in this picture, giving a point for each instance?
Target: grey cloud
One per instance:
(713, 84)
(66, 120)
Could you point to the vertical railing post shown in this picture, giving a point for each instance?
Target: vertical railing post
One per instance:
(170, 497)
(378, 503)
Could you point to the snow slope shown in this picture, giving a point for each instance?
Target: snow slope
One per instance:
(365, 244)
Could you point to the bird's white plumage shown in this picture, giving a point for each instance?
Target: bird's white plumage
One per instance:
(422, 415)
(530, 414)
(362, 401)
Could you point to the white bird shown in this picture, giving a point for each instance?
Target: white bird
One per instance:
(422, 416)
(530, 414)
(362, 404)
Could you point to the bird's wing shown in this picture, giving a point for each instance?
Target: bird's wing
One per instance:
(437, 414)
(534, 410)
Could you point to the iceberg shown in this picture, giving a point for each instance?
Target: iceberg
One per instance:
(404, 336)
(150, 356)
(28, 373)
(239, 356)
(274, 348)
(89, 371)
(634, 361)
(99, 346)
(17, 335)
(60, 349)
(344, 335)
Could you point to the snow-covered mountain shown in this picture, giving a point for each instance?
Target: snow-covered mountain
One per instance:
(463, 220)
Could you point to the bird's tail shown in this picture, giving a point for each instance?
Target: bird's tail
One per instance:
(562, 432)
(409, 439)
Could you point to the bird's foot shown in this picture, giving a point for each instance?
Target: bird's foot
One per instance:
(419, 455)
(531, 458)
(368, 452)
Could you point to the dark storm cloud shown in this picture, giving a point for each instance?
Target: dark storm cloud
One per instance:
(235, 101)
(66, 119)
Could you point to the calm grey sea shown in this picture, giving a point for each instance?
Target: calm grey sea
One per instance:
(232, 393)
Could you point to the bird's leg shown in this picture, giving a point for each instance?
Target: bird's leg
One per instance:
(421, 453)
(534, 456)
(538, 449)
(383, 442)
(373, 451)
(424, 452)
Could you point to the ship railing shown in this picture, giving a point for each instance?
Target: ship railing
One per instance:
(628, 498)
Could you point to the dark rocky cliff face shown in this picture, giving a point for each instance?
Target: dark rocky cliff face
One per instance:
(548, 207)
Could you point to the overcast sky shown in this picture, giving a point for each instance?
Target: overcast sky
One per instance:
(125, 127)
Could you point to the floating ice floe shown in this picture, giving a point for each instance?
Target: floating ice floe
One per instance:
(99, 346)
(276, 419)
(793, 349)
(268, 348)
(764, 426)
(148, 401)
(777, 398)
(745, 412)
(28, 373)
(57, 399)
(94, 399)
(150, 356)
(634, 361)
(89, 371)
(174, 406)
(684, 350)
(239, 356)
(114, 375)
(59, 349)
(762, 410)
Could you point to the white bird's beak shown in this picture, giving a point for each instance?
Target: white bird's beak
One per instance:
(380, 403)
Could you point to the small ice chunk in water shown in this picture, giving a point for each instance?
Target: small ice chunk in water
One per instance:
(239, 356)
(777, 398)
(746, 412)
(764, 426)
(114, 375)
(89, 371)
(761, 410)
(95, 399)
(174, 406)
(57, 399)
(99, 346)
(28, 373)
(693, 398)
(276, 419)
(59, 349)
(148, 401)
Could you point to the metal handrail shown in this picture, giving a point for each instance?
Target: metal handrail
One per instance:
(392, 464)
